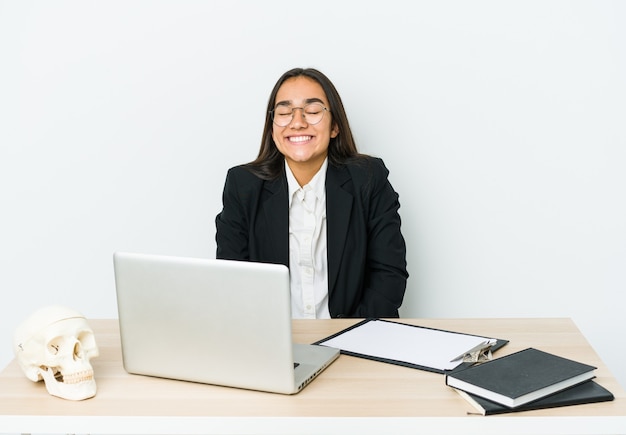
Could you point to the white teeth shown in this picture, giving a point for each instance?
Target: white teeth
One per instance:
(299, 138)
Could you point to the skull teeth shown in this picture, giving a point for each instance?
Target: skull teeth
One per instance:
(76, 378)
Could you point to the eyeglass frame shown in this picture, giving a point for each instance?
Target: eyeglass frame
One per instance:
(293, 113)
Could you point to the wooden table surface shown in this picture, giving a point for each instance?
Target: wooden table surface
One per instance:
(362, 393)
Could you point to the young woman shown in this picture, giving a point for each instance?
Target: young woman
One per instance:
(310, 201)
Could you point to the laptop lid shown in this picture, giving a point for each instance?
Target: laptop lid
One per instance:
(218, 322)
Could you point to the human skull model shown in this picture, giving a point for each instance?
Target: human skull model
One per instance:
(56, 344)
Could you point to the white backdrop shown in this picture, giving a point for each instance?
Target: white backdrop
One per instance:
(502, 124)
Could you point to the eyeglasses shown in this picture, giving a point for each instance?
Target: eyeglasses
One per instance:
(313, 113)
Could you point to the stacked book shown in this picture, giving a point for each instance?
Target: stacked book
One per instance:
(525, 380)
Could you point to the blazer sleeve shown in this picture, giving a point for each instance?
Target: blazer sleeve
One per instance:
(231, 223)
(385, 263)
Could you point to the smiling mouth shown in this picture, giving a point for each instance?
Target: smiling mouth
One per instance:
(299, 139)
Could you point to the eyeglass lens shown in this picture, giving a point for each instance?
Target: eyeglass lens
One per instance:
(312, 114)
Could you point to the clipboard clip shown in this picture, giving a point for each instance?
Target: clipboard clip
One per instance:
(479, 353)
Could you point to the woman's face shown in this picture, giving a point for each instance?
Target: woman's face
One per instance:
(304, 145)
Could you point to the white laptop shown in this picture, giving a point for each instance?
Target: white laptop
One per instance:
(218, 322)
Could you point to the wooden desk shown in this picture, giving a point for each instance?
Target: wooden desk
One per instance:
(353, 395)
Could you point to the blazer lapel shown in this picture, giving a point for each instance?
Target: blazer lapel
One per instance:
(338, 209)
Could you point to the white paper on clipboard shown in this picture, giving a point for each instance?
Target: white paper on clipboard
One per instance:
(411, 344)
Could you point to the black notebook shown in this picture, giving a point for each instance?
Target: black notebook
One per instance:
(522, 377)
(587, 392)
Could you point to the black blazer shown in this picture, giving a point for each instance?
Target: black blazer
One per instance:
(366, 251)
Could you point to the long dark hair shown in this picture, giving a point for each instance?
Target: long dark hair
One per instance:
(269, 163)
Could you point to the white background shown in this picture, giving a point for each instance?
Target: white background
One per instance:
(502, 124)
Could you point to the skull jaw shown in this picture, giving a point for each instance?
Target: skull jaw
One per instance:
(74, 391)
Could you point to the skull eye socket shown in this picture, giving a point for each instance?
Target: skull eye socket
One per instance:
(78, 351)
(54, 346)
(60, 344)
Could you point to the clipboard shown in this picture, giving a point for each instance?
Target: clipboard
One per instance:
(430, 349)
